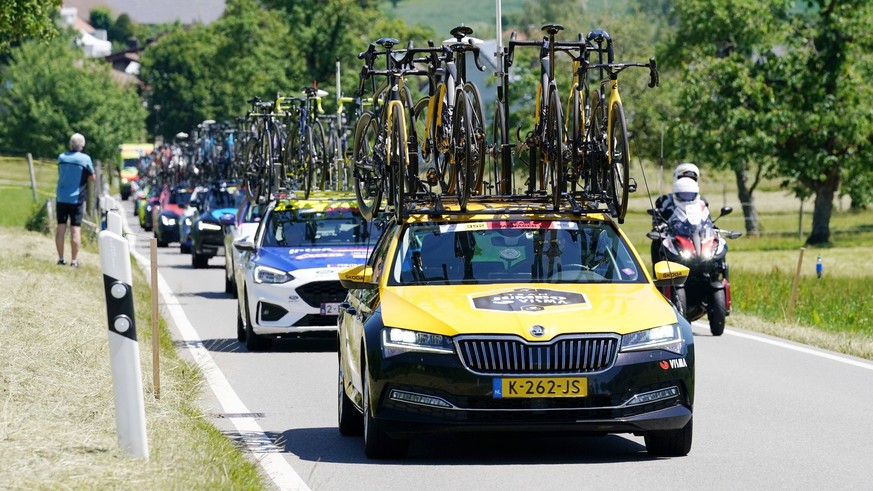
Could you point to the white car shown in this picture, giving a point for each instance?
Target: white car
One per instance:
(287, 280)
(244, 225)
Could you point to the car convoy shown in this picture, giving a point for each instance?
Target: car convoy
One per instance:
(457, 304)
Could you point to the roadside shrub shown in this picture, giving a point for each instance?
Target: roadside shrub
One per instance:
(38, 221)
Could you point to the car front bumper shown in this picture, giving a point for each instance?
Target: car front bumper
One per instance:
(640, 392)
(306, 304)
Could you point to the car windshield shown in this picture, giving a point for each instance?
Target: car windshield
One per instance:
(224, 198)
(523, 251)
(307, 227)
(181, 197)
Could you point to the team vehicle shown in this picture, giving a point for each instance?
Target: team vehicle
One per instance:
(287, 279)
(168, 212)
(146, 208)
(511, 316)
(244, 224)
(207, 232)
(130, 156)
(188, 213)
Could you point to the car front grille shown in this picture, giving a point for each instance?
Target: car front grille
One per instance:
(510, 355)
(318, 292)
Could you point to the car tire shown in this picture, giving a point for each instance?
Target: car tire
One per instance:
(161, 243)
(229, 283)
(240, 327)
(377, 443)
(670, 443)
(199, 261)
(350, 420)
(717, 312)
(184, 248)
(254, 342)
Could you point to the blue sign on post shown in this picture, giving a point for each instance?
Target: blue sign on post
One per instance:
(123, 346)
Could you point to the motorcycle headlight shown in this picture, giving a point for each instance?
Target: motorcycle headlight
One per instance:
(397, 341)
(207, 226)
(668, 337)
(685, 254)
(266, 274)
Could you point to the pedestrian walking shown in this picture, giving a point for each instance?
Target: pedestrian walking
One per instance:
(75, 171)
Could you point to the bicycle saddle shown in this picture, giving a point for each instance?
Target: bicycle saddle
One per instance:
(553, 28)
(461, 32)
(387, 43)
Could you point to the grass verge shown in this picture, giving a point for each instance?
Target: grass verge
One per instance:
(57, 416)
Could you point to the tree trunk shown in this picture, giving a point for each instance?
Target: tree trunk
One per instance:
(824, 206)
(744, 193)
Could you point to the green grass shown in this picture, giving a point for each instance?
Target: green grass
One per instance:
(16, 194)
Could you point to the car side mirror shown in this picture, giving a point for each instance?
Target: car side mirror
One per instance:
(668, 273)
(227, 220)
(357, 278)
(244, 245)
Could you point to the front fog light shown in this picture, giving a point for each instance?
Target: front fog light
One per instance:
(655, 395)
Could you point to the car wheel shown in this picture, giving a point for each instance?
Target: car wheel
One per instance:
(254, 342)
(240, 328)
(670, 443)
(716, 312)
(199, 261)
(377, 443)
(229, 283)
(161, 243)
(351, 421)
(184, 248)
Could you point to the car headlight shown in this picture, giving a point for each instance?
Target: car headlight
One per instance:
(167, 220)
(667, 338)
(207, 226)
(397, 341)
(266, 274)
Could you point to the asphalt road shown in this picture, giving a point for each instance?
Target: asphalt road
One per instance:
(768, 414)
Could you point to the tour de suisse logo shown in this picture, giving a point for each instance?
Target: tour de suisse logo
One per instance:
(530, 300)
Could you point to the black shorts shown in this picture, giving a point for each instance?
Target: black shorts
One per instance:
(71, 212)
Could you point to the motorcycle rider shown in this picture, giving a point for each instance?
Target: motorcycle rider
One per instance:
(685, 190)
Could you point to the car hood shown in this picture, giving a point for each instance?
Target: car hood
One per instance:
(172, 210)
(291, 259)
(512, 309)
(216, 214)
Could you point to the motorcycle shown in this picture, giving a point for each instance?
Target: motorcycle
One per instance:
(690, 237)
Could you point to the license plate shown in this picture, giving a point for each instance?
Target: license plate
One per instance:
(540, 387)
(330, 309)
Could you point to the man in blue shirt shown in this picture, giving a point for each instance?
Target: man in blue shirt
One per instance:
(75, 171)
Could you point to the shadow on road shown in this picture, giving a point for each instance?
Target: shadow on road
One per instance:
(468, 449)
(231, 345)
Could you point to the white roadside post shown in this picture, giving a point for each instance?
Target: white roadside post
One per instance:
(113, 222)
(123, 346)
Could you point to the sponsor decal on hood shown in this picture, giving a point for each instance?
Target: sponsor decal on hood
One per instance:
(529, 300)
(312, 257)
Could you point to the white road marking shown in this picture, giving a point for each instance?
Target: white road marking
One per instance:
(793, 347)
(259, 444)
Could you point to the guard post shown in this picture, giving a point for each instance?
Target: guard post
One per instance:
(123, 346)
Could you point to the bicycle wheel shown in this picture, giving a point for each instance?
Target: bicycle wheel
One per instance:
(252, 165)
(270, 182)
(398, 155)
(596, 157)
(619, 160)
(493, 173)
(477, 120)
(462, 147)
(310, 160)
(553, 153)
(321, 166)
(575, 136)
(424, 138)
(367, 167)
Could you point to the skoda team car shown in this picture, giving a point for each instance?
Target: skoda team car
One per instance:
(207, 230)
(288, 284)
(516, 320)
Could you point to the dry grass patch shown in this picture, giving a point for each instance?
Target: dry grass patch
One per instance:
(57, 409)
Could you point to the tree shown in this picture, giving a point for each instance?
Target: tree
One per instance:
(25, 19)
(52, 90)
(101, 18)
(825, 127)
(208, 72)
(723, 60)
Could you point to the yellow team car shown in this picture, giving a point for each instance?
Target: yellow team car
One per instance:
(512, 319)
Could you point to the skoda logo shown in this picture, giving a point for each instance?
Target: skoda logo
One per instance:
(537, 330)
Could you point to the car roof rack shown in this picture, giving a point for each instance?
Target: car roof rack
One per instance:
(434, 205)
